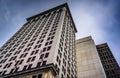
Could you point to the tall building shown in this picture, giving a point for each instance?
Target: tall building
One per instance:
(109, 63)
(88, 61)
(43, 48)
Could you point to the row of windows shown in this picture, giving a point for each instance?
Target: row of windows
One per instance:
(26, 67)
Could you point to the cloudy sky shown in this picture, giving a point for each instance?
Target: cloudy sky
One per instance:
(98, 18)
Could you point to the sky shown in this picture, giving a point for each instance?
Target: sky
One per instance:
(98, 18)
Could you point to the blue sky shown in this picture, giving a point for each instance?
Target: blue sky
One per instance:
(98, 18)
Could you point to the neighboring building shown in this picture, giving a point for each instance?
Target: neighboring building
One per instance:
(109, 63)
(43, 48)
(88, 61)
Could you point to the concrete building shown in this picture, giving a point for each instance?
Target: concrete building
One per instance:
(43, 48)
(88, 61)
(109, 63)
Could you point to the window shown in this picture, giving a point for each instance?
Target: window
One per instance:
(29, 59)
(44, 49)
(25, 67)
(29, 67)
(44, 63)
(41, 57)
(34, 76)
(46, 55)
(50, 42)
(40, 76)
(46, 43)
(48, 48)
(21, 61)
(33, 59)
(32, 52)
(39, 45)
(38, 64)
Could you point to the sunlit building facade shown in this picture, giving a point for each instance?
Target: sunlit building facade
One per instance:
(88, 61)
(43, 48)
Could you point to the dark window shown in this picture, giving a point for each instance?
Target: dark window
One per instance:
(9, 65)
(29, 59)
(11, 70)
(33, 58)
(25, 67)
(48, 39)
(39, 45)
(46, 55)
(16, 70)
(44, 49)
(49, 48)
(46, 43)
(38, 64)
(32, 52)
(44, 63)
(29, 67)
(36, 51)
(4, 72)
(50, 42)
(21, 61)
(41, 57)
(34, 76)
(40, 76)
(25, 54)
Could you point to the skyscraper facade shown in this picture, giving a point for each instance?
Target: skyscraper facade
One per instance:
(88, 61)
(109, 63)
(43, 48)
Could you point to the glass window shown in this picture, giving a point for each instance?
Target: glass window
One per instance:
(29, 59)
(39, 45)
(40, 76)
(44, 49)
(46, 43)
(25, 67)
(34, 76)
(41, 57)
(50, 42)
(38, 64)
(46, 55)
(44, 63)
(49, 48)
(29, 67)
(33, 58)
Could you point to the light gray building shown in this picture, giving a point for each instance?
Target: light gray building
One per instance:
(43, 48)
(88, 61)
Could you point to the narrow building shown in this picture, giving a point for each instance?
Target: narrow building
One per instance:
(109, 62)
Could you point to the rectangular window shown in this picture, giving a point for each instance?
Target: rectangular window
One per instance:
(46, 43)
(25, 67)
(40, 76)
(32, 52)
(41, 57)
(9, 65)
(38, 64)
(44, 49)
(48, 48)
(46, 55)
(21, 61)
(39, 45)
(29, 67)
(50, 42)
(44, 63)
(34, 76)
(29, 59)
(33, 58)
(36, 51)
